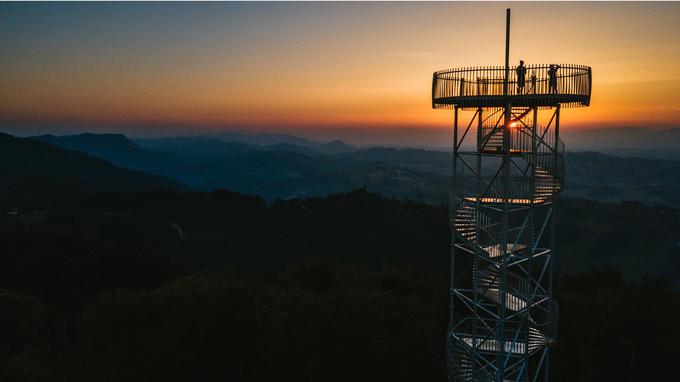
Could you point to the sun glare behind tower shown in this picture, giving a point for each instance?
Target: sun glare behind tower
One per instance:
(508, 167)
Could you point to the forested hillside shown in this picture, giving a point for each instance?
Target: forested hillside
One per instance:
(214, 286)
(40, 175)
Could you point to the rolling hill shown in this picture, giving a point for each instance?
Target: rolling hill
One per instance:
(38, 174)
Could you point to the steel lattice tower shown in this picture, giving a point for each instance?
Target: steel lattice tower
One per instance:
(502, 211)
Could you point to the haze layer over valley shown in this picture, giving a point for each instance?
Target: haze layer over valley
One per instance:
(287, 166)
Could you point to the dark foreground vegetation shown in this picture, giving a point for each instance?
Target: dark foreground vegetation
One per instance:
(353, 287)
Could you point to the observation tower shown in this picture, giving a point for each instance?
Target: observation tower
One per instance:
(508, 167)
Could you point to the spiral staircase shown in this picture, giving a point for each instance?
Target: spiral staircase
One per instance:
(478, 230)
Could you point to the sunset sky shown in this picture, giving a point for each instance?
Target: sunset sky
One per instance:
(153, 68)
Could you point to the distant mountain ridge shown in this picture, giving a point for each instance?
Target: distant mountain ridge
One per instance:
(195, 146)
(269, 139)
(629, 142)
(115, 148)
(285, 169)
(96, 143)
(43, 174)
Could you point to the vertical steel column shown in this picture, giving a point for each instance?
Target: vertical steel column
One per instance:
(477, 254)
(532, 227)
(452, 219)
(452, 215)
(505, 179)
(553, 223)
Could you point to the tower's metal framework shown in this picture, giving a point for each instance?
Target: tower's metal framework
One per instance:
(502, 212)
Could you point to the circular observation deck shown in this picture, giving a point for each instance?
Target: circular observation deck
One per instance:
(569, 86)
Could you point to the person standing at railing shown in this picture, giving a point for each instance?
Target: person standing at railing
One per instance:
(552, 78)
(481, 86)
(521, 76)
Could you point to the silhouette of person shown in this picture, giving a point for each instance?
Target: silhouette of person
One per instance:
(533, 83)
(521, 76)
(552, 78)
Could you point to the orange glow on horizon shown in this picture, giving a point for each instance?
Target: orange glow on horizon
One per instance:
(365, 65)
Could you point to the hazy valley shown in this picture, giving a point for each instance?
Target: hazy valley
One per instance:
(285, 166)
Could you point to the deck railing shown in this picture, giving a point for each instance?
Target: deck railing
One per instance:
(570, 85)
